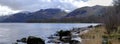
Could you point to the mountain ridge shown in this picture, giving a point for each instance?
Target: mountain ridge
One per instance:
(55, 14)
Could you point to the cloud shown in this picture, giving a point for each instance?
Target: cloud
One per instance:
(34, 5)
(100, 2)
(41, 4)
(85, 0)
(17, 4)
(4, 10)
(92, 3)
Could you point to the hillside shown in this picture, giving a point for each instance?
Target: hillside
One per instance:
(84, 14)
(87, 11)
(38, 15)
(95, 36)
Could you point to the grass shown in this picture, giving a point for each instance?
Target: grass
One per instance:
(95, 35)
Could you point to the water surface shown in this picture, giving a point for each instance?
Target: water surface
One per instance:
(10, 32)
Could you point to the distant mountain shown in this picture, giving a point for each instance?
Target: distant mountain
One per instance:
(42, 14)
(87, 11)
(48, 14)
(57, 15)
(18, 17)
(3, 18)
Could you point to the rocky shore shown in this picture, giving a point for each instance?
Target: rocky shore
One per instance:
(72, 36)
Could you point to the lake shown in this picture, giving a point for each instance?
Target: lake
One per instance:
(10, 32)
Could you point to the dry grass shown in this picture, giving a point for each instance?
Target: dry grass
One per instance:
(94, 36)
(115, 41)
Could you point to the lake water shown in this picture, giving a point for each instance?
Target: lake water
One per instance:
(10, 32)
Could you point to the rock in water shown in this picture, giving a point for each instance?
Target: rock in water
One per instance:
(35, 40)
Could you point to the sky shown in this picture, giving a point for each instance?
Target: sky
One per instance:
(14, 6)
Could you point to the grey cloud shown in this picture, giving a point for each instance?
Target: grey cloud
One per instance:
(33, 5)
(17, 4)
(85, 0)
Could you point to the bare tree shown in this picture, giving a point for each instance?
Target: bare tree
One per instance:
(111, 19)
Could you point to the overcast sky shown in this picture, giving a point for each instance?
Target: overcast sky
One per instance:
(14, 6)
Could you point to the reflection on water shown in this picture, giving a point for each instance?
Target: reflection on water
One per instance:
(10, 32)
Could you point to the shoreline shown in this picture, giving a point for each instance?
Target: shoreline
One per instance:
(76, 32)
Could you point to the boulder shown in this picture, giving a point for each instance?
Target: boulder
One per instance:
(35, 40)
